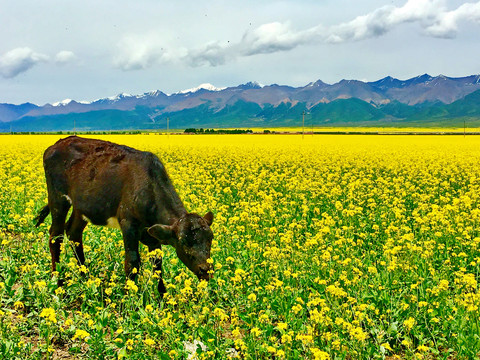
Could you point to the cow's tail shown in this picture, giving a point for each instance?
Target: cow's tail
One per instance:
(42, 215)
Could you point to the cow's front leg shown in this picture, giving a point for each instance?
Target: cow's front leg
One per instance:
(74, 228)
(59, 210)
(153, 244)
(131, 236)
(157, 269)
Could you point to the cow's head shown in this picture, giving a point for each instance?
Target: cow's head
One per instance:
(191, 237)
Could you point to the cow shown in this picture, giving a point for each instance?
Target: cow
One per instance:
(118, 186)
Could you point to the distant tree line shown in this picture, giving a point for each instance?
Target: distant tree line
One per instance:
(113, 132)
(219, 131)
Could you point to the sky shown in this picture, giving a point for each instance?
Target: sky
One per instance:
(52, 50)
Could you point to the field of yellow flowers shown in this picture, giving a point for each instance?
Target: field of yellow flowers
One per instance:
(330, 247)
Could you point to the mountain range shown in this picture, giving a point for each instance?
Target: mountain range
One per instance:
(420, 101)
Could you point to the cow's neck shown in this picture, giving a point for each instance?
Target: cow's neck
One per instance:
(171, 207)
(171, 215)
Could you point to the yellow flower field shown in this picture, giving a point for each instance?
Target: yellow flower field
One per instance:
(330, 247)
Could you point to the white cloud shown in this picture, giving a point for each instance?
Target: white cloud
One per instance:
(141, 52)
(136, 54)
(19, 60)
(212, 54)
(431, 15)
(416, 10)
(274, 37)
(446, 24)
(64, 57)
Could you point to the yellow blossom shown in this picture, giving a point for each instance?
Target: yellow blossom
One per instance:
(81, 334)
(149, 342)
(409, 323)
(49, 315)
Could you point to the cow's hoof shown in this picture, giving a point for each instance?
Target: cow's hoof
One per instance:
(161, 289)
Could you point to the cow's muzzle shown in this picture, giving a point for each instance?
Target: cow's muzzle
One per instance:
(204, 272)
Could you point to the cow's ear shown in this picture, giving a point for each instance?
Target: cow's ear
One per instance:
(209, 217)
(163, 233)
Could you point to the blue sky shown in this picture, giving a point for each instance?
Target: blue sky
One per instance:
(84, 50)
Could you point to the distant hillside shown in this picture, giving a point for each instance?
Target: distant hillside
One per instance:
(420, 101)
(9, 112)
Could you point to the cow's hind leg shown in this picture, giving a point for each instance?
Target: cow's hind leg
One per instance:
(75, 226)
(131, 236)
(153, 244)
(59, 212)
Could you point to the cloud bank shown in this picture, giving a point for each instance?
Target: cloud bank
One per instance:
(19, 60)
(433, 17)
(22, 59)
(142, 52)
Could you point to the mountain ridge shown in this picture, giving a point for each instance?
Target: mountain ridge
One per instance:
(347, 101)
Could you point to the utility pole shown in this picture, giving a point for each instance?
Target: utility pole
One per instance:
(168, 133)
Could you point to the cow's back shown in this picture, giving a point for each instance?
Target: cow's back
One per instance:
(92, 174)
(66, 153)
(98, 176)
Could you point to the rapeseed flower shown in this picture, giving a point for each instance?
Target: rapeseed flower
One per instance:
(409, 323)
(18, 305)
(319, 354)
(149, 342)
(131, 286)
(49, 315)
(81, 334)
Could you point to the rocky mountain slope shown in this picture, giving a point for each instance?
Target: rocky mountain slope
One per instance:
(386, 101)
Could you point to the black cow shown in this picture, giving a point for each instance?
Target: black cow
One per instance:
(115, 185)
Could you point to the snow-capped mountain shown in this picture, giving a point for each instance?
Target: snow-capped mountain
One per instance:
(206, 86)
(65, 102)
(261, 102)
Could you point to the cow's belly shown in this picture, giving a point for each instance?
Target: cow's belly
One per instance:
(111, 222)
(97, 207)
(99, 214)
